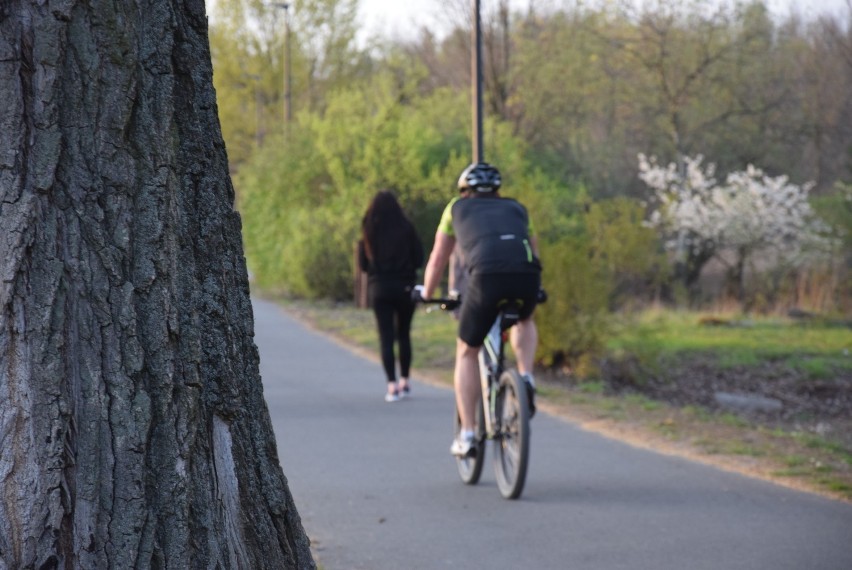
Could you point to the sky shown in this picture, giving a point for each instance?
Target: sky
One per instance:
(398, 18)
(394, 18)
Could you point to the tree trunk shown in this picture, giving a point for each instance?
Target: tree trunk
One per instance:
(736, 277)
(133, 427)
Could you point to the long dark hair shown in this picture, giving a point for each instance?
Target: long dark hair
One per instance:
(385, 229)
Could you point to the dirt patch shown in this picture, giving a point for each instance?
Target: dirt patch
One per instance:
(768, 420)
(770, 394)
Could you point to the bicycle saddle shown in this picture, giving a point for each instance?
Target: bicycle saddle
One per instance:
(510, 310)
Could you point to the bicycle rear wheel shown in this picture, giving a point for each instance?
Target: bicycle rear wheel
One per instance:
(470, 467)
(512, 440)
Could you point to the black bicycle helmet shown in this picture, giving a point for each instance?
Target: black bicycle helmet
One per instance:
(481, 177)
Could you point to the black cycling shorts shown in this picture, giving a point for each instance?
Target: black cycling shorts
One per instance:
(483, 297)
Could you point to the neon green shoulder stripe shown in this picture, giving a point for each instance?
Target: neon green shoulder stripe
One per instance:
(446, 224)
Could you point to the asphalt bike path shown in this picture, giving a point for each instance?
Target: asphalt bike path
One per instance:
(377, 489)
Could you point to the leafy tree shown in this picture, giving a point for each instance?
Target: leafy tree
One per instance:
(327, 29)
(836, 209)
(248, 42)
(823, 108)
(573, 95)
(330, 167)
(561, 91)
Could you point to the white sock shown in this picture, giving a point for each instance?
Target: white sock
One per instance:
(466, 434)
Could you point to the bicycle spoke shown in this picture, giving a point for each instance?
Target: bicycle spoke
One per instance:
(470, 468)
(508, 437)
(512, 457)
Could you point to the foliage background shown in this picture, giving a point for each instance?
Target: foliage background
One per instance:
(573, 96)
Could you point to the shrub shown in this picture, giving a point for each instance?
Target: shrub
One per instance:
(624, 247)
(318, 249)
(573, 323)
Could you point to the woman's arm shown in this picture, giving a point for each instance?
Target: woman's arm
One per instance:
(363, 262)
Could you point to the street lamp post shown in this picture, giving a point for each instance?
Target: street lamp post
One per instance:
(258, 134)
(288, 112)
(476, 82)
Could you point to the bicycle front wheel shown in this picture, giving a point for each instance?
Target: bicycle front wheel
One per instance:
(512, 440)
(470, 467)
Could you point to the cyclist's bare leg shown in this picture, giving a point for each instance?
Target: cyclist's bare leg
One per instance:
(524, 339)
(466, 381)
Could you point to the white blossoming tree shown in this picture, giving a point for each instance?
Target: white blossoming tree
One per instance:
(751, 214)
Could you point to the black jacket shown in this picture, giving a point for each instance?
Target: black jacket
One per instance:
(402, 264)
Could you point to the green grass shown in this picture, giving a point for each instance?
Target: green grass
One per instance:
(594, 387)
(433, 333)
(657, 337)
(643, 402)
(697, 413)
(816, 368)
(820, 443)
(741, 448)
(732, 420)
(837, 486)
(795, 462)
(667, 428)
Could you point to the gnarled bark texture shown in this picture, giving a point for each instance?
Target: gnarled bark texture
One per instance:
(133, 430)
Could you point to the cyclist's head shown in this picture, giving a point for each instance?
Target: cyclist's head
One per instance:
(480, 177)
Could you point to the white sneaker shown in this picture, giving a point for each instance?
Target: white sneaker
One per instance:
(391, 397)
(462, 445)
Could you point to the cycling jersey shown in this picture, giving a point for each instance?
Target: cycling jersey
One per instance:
(493, 233)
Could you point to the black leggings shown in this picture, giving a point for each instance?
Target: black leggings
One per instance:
(394, 311)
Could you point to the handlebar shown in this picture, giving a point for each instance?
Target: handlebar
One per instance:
(445, 304)
(448, 304)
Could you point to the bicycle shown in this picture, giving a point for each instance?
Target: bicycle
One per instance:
(506, 418)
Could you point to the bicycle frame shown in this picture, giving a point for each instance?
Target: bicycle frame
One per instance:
(506, 399)
(491, 364)
(491, 357)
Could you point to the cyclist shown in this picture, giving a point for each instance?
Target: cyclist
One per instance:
(495, 237)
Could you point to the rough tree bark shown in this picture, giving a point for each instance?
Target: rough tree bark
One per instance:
(133, 429)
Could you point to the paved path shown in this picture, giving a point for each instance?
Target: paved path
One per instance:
(377, 489)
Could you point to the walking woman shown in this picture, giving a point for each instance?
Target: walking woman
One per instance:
(391, 253)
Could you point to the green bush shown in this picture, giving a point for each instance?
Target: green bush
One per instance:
(573, 323)
(302, 196)
(626, 249)
(308, 254)
(317, 253)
